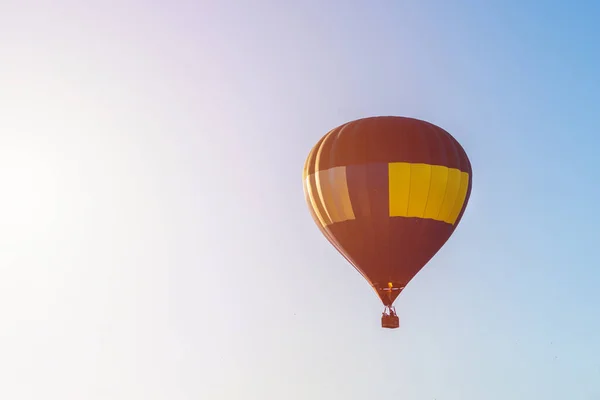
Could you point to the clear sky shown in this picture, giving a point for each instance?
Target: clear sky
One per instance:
(154, 239)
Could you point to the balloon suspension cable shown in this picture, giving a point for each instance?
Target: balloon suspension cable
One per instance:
(389, 310)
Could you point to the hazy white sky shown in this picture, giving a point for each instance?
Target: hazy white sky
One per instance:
(155, 244)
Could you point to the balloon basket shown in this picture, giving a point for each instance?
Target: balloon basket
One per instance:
(389, 319)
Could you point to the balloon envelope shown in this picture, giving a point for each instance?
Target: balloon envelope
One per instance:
(387, 192)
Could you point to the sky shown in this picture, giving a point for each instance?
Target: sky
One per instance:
(154, 238)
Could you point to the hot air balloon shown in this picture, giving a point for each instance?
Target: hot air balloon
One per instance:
(387, 192)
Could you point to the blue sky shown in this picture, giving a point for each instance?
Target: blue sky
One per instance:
(156, 240)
